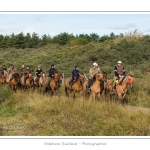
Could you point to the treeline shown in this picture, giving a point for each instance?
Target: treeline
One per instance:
(34, 41)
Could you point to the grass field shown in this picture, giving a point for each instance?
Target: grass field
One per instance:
(38, 115)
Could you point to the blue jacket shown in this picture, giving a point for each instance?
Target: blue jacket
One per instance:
(75, 74)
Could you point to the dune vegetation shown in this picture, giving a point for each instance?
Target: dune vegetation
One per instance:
(34, 114)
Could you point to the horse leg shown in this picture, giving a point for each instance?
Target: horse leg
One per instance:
(74, 95)
(67, 92)
(98, 96)
(121, 99)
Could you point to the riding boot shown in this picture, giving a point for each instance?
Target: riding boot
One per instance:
(25, 80)
(71, 83)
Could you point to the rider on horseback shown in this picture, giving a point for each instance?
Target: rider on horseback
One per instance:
(52, 70)
(75, 75)
(4, 69)
(38, 73)
(11, 71)
(26, 72)
(22, 70)
(95, 69)
(119, 72)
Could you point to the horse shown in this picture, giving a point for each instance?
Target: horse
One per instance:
(7, 75)
(2, 78)
(14, 81)
(87, 91)
(96, 89)
(121, 87)
(29, 83)
(55, 84)
(42, 82)
(76, 87)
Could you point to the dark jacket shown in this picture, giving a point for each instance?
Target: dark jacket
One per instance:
(4, 68)
(38, 72)
(119, 71)
(75, 74)
(52, 71)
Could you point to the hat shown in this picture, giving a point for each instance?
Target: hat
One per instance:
(77, 66)
(95, 64)
(52, 65)
(12, 65)
(119, 62)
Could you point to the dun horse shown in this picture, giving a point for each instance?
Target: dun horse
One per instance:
(42, 82)
(96, 88)
(102, 80)
(22, 84)
(76, 87)
(14, 81)
(29, 84)
(121, 87)
(2, 78)
(55, 84)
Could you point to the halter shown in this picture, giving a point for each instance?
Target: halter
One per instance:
(130, 82)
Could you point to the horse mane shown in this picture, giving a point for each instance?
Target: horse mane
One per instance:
(16, 75)
(123, 79)
(82, 73)
(94, 77)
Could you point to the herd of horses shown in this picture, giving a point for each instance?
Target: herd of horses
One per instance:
(100, 84)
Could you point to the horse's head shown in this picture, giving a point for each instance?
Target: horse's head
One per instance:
(81, 77)
(104, 76)
(60, 78)
(16, 76)
(56, 76)
(30, 75)
(130, 80)
(98, 76)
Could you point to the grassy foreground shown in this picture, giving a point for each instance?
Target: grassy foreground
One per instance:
(37, 115)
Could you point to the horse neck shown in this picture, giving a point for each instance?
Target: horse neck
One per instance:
(97, 83)
(125, 83)
(79, 82)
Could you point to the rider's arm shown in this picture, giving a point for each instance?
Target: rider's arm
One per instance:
(124, 71)
(116, 72)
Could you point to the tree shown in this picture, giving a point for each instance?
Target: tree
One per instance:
(2, 41)
(20, 41)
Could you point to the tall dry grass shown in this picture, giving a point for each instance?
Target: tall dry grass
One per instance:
(37, 115)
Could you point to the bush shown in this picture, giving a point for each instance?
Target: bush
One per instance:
(78, 41)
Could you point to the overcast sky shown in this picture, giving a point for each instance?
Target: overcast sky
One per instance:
(53, 24)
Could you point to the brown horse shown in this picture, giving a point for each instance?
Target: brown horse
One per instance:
(14, 81)
(29, 83)
(76, 87)
(121, 87)
(87, 91)
(55, 84)
(22, 78)
(96, 88)
(42, 82)
(2, 78)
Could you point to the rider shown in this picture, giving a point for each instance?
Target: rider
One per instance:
(119, 72)
(75, 75)
(38, 73)
(22, 69)
(95, 69)
(4, 69)
(12, 69)
(52, 70)
(26, 72)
